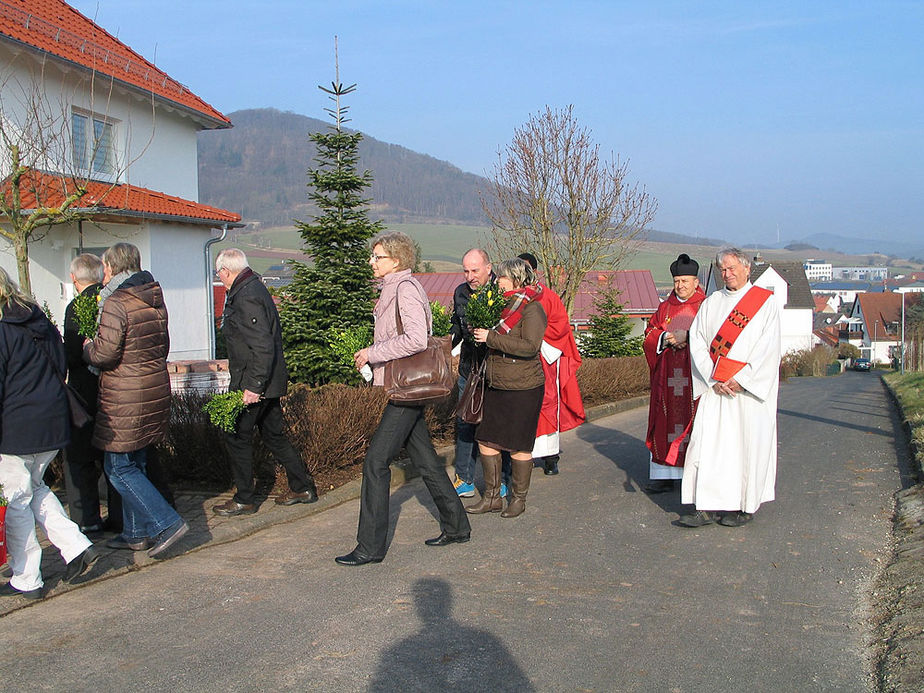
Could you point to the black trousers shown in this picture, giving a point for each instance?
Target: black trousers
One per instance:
(267, 416)
(85, 466)
(403, 427)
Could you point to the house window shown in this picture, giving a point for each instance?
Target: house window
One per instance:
(93, 143)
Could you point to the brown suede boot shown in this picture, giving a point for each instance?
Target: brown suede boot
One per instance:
(522, 473)
(490, 502)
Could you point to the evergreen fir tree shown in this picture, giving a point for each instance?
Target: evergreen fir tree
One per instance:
(608, 333)
(335, 291)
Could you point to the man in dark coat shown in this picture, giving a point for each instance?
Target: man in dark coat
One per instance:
(250, 324)
(476, 265)
(85, 462)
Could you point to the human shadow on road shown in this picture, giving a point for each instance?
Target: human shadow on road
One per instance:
(630, 455)
(445, 655)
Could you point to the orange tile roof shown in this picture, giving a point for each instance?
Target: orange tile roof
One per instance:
(55, 27)
(636, 288)
(882, 312)
(114, 200)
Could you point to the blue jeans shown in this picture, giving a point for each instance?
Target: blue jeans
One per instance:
(466, 448)
(145, 513)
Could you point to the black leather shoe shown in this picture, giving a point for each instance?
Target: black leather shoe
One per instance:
(309, 495)
(658, 486)
(123, 544)
(7, 590)
(356, 558)
(79, 564)
(232, 507)
(550, 465)
(700, 518)
(444, 539)
(735, 519)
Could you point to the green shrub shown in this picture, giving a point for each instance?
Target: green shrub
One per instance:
(442, 319)
(845, 350)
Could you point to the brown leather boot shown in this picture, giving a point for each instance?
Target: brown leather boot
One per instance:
(522, 473)
(490, 502)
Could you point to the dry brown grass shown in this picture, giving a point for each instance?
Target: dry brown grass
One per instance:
(611, 380)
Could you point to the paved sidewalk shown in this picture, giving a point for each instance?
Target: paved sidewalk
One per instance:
(208, 529)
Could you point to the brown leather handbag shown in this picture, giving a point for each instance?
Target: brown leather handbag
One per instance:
(471, 399)
(422, 378)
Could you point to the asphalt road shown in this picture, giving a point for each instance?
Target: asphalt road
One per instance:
(592, 589)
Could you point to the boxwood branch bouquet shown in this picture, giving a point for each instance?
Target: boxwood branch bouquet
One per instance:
(86, 309)
(347, 341)
(224, 409)
(485, 307)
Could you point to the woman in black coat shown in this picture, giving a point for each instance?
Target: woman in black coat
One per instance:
(34, 425)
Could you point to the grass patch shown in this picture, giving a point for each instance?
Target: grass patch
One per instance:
(909, 391)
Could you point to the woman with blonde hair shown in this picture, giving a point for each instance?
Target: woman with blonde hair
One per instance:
(515, 387)
(34, 425)
(392, 258)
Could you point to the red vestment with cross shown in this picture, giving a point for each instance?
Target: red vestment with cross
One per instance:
(671, 407)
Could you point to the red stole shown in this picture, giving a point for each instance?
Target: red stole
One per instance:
(739, 317)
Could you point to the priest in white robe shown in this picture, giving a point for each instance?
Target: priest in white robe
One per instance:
(731, 458)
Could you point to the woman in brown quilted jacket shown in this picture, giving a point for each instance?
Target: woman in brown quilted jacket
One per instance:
(130, 350)
(516, 385)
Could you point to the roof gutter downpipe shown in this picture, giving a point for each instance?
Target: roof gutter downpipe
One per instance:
(209, 283)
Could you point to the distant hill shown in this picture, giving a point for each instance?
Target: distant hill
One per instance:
(904, 248)
(680, 239)
(258, 169)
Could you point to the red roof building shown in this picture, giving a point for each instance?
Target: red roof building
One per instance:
(636, 290)
(116, 200)
(53, 26)
(93, 119)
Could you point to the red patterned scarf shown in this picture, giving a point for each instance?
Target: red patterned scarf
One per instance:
(513, 311)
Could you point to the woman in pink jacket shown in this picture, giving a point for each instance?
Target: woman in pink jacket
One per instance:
(393, 256)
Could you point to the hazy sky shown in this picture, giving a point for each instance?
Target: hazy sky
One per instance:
(743, 118)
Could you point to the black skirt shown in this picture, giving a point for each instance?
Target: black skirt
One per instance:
(510, 418)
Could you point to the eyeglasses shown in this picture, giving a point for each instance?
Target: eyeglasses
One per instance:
(376, 258)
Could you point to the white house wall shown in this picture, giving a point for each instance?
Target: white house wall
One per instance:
(177, 261)
(795, 323)
(796, 329)
(156, 146)
(175, 258)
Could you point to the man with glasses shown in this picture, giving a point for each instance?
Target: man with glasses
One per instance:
(250, 324)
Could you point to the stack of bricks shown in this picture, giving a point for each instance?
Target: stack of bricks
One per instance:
(199, 376)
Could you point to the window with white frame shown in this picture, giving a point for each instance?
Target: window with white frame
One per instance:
(93, 143)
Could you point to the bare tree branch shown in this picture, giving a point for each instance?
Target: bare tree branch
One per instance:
(553, 195)
(43, 185)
